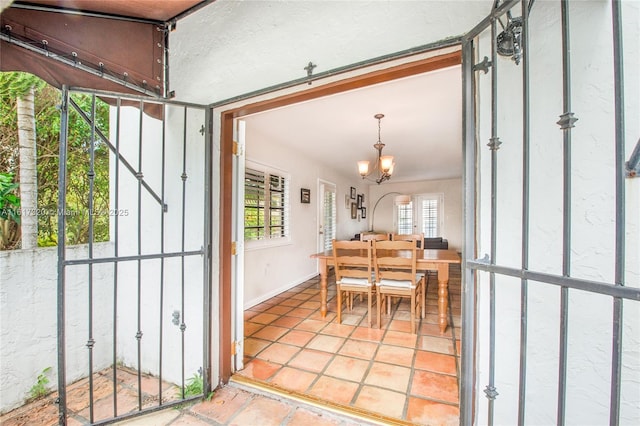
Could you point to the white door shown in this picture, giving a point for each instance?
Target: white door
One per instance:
(237, 262)
(428, 214)
(326, 215)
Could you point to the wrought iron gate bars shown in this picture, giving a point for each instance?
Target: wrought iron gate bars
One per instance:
(494, 144)
(140, 176)
(616, 290)
(115, 263)
(162, 223)
(566, 124)
(204, 252)
(620, 250)
(62, 185)
(90, 340)
(106, 140)
(468, 310)
(526, 175)
(184, 185)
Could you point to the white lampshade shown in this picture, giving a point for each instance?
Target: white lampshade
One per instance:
(386, 163)
(402, 200)
(363, 168)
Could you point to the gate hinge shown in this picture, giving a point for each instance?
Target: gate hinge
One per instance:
(234, 250)
(234, 347)
(237, 149)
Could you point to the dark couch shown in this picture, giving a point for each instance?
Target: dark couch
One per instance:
(436, 243)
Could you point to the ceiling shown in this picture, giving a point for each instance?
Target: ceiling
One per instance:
(422, 127)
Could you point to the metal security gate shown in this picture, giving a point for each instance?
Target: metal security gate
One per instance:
(551, 328)
(134, 307)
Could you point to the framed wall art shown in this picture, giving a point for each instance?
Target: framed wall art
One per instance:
(305, 195)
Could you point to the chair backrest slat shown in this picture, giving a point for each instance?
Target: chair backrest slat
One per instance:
(352, 259)
(419, 238)
(395, 260)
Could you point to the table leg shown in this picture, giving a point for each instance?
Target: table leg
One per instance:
(443, 295)
(323, 287)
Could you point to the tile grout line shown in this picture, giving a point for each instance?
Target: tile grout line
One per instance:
(371, 360)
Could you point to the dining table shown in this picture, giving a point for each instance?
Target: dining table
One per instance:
(427, 260)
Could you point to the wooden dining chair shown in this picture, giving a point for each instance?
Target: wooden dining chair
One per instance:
(419, 238)
(374, 237)
(353, 263)
(396, 276)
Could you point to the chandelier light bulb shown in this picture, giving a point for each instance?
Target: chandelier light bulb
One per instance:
(363, 168)
(386, 163)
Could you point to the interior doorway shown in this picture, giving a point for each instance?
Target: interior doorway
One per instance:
(452, 58)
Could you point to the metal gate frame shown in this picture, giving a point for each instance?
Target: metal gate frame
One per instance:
(472, 264)
(204, 252)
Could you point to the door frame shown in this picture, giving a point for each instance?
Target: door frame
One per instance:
(252, 106)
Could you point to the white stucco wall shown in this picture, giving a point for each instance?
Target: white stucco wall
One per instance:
(150, 234)
(234, 47)
(28, 319)
(592, 221)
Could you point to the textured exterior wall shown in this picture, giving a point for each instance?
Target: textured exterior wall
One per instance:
(592, 240)
(28, 319)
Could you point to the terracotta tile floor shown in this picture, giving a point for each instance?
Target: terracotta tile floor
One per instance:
(231, 405)
(388, 373)
(301, 369)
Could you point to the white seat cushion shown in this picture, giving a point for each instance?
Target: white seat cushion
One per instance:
(355, 281)
(396, 283)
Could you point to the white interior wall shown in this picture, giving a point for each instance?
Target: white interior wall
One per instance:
(271, 270)
(452, 205)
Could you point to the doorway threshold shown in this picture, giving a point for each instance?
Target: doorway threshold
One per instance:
(362, 417)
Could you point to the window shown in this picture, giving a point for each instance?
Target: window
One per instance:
(430, 217)
(425, 211)
(328, 224)
(266, 204)
(405, 219)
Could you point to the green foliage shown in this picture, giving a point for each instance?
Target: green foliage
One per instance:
(195, 386)
(40, 388)
(16, 84)
(47, 101)
(9, 212)
(9, 201)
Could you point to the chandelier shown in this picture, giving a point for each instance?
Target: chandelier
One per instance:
(384, 163)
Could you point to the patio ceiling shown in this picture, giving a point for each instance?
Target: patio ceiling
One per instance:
(158, 11)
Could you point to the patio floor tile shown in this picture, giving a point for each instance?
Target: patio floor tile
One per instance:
(382, 401)
(422, 411)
